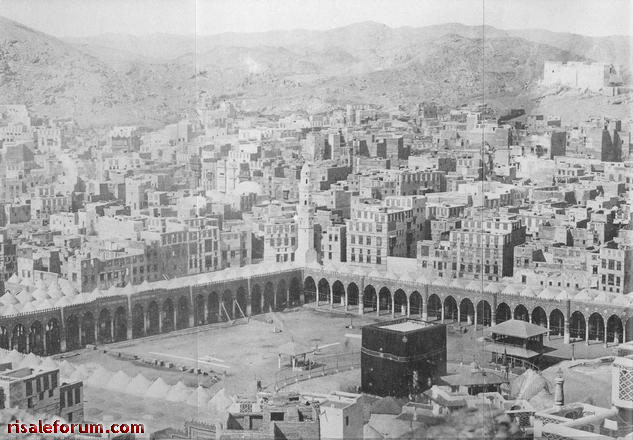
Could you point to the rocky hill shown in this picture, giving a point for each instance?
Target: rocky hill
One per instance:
(149, 80)
(57, 79)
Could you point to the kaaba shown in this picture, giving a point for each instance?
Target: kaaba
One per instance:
(402, 357)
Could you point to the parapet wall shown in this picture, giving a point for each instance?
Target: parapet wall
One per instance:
(592, 76)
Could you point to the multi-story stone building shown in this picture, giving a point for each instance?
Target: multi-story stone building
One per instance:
(482, 249)
(376, 231)
(41, 392)
(8, 258)
(280, 238)
(334, 244)
(615, 273)
(236, 244)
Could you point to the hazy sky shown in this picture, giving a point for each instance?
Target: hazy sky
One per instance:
(90, 17)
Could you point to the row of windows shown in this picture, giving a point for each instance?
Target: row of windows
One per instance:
(42, 383)
(31, 404)
(611, 264)
(280, 229)
(367, 240)
(365, 227)
(360, 251)
(278, 242)
(476, 238)
(367, 259)
(280, 258)
(66, 397)
(611, 280)
(476, 268)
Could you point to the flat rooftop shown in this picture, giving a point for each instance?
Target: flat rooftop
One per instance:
(18, 373)
(406, 326)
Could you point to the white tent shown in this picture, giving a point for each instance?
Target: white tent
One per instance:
(119, 382)
(158, 389)
(199, 398)
(139, 385)
(179, 392)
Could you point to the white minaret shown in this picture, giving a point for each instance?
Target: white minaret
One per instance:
(305, 252)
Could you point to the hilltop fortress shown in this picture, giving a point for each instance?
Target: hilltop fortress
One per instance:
(583, 75)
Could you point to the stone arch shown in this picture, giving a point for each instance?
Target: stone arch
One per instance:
(167, 311)
(120, 324)
(182, 316)
(138, 321)
(281, 297)
(539, 317)
(556, 323)
(4, 338)
(400, 303)
(338, 293)
(226, 306)
(36, 338)
(370, 299)
(384, 300)
(269, 297)
(434, 307)
(466, 311)
(595, 327)
(19, 338)
(309, 290)
(105, 326)
(199, 310)
(577, 326)
(213, 304)
(72, 333)
(295, 292)
(521, 313)
(241, 298)
(153, 318)
(416, 303)
(88, 329)
(256, 299)
(352, 294)
(503, 313)
(629, 329)
(484, 313)
(53, 337)
(450, 308)
(324, 290)
(614, 329)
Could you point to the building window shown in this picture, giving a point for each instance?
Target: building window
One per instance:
(276, 417)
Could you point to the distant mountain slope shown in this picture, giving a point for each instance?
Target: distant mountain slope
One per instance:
(55, 78)
(150, 80)
(614, 49)
(365, 37)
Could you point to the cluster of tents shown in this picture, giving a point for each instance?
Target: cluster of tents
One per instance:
(96, 376)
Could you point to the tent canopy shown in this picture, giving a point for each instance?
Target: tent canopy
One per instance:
(517, 328)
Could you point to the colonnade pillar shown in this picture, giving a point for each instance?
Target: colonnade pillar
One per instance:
(566, 331)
